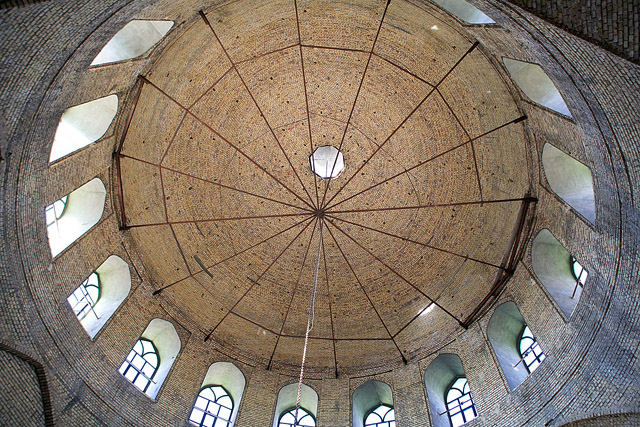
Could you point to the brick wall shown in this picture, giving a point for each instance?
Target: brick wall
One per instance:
(591, 360)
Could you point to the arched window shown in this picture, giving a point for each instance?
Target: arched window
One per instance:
(536, 85)
(152, 356)
(100, 294)
(141, 364)
(304, 419)
(73, 215)
(85, 296)
(382, 416)
(513, 343)
(223, 378)
(571, 180)
(373, 405)
(558, 271)
(213, 407)
(460, 406)
(286, 405)
(83, 124)
(132, 40)
(530, 351)
(448, 391)
(464, 11)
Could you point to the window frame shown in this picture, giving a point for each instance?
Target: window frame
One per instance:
(382, 421)
(81, 314)
(531, 348)
(292, 411)
(139, 371)
(459, 407)
(209, 401)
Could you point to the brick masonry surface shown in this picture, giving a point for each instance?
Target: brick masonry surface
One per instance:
(591, 373)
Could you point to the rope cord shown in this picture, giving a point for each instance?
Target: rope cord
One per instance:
(310, 322)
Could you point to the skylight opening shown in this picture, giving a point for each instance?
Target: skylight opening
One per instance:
(82, 125)
(132, 41)
(536, 84)
(464, 11)
(327, 162)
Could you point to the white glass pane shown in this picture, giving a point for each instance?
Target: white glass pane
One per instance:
(225, 401)
(457, 420)
(148, 371)
(131, 374)
(288, 418)
(208, 420)
(196, 415)
(224, 413)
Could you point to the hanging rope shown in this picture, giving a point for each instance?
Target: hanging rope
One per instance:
(310, 321)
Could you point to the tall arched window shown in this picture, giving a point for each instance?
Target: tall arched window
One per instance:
(561, 275)
(74, 214)
(373, 405)
(571, 180)
(303, 419)
(513, 343)
(286, 406)
(213, 407)
(382, 416)
(530, 351)
(448, 391)
(141, 364)
(100, 294)
(132, 40)
(152, 356)
(83, 124)
(460, 406)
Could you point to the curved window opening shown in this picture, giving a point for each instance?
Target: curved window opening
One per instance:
(161, 343)
(213, 407)
(571, 180)
(221, 376)
(560, 273)
(82, 125)
(73, 215)
(54, 211)
(536, 85)
(530, 351)
(85, 296)
(373, 405)
(460, 406)
(141, 364)
(133, 40)
(448, 392)
(304, 419)
(286, 406)
(464, 11)
(518, 353)
(100, 294)
(382, 416)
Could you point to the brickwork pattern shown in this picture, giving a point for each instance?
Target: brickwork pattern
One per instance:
(20, 395)
(591, 356)
(612, 24)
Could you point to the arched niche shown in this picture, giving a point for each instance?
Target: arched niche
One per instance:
(571, 180)
(536, 84)
(553, 265)
(504, 331)
(438, 377)
(83, 209)
(227, 375)
(464, 11)
(83, 124)
(287, 399)
(132, 40)
(368, 397)
(115, 283)
(167, 342)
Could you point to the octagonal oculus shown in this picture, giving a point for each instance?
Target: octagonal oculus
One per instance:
(327, 162)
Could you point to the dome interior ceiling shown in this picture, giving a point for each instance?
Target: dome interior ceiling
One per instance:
(215, 173)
